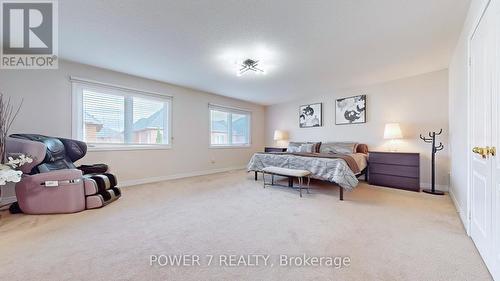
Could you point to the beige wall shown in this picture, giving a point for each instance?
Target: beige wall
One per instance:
(418, 103)
(47, 110)
(458, 103)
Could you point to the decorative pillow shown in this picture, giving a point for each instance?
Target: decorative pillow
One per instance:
(307, 147)
(316, 146)
(294, 147)
(338, 147)
(362, 148)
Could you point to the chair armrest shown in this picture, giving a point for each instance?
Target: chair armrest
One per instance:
(60, 191)
(57, 175)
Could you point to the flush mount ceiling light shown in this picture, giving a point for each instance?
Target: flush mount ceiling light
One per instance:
(249, 65)
(256, 58)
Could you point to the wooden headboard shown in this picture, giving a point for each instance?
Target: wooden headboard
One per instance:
(362, 148)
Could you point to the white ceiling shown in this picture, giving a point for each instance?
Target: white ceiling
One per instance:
(308, 47)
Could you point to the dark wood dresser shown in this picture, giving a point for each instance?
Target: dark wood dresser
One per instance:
(274, 149)
(394, 169)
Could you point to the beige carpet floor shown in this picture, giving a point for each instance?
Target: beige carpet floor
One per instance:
(387, 234)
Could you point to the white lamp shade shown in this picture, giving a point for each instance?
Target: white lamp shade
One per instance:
(392, 131)
(279, 135)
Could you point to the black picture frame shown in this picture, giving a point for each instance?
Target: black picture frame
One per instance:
(309, 117)
(354, 113)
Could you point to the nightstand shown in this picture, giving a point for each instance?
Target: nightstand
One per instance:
(394, 169)
(274, 149)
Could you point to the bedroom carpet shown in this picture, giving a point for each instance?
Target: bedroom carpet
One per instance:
(387, 234)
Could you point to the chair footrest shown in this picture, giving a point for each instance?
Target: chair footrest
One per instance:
(102, 199)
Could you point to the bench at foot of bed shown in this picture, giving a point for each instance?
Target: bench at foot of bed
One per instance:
(290, 184)
(290, 173)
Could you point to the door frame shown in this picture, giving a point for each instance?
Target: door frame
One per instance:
(470, 36)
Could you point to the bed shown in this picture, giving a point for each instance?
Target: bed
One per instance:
(341, 169)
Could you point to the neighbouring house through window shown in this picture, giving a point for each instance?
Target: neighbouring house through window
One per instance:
(229, 126)
(107, 116)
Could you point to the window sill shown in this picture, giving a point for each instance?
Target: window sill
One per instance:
(114, 147)
(230, 146)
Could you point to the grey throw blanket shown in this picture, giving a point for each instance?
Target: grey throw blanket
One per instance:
(329, 169)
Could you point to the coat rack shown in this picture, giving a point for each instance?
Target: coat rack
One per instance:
(432, 139)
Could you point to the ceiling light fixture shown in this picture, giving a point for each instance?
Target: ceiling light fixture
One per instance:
(249, 65)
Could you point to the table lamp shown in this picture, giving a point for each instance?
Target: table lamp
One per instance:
(392, 132)
(279, 136)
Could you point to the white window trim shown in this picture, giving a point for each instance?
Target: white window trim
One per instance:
(77, 113)
(229, 109)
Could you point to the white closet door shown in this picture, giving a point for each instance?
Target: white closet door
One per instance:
(482, 52)
(495, 133)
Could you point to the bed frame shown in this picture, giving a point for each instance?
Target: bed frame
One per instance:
(361, 148)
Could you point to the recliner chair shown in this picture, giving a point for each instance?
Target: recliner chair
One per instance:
(52, 183)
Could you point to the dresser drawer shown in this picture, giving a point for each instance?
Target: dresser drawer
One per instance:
(407, 159)
(394, 170)
(395, 181)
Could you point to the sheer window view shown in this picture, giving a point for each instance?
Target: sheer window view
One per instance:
(124, 119)
(228, 128)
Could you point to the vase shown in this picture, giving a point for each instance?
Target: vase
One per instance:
(7, 193)
(3, 152)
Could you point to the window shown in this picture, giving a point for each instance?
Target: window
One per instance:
(107, 116)
(229, 127)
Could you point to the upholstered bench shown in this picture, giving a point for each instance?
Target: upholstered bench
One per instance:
(286, 172)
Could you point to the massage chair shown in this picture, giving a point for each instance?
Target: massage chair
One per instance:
(52, 183)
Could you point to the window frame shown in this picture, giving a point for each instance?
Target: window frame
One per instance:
(79, 85)
(230, 110)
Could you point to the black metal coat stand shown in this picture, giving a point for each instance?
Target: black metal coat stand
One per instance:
(432, 139)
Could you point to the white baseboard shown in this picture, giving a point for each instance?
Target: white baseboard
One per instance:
(178, 176)
(460, 211)
(441, 187)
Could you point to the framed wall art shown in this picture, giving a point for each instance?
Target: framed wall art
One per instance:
(350, 110)
(311, 115)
